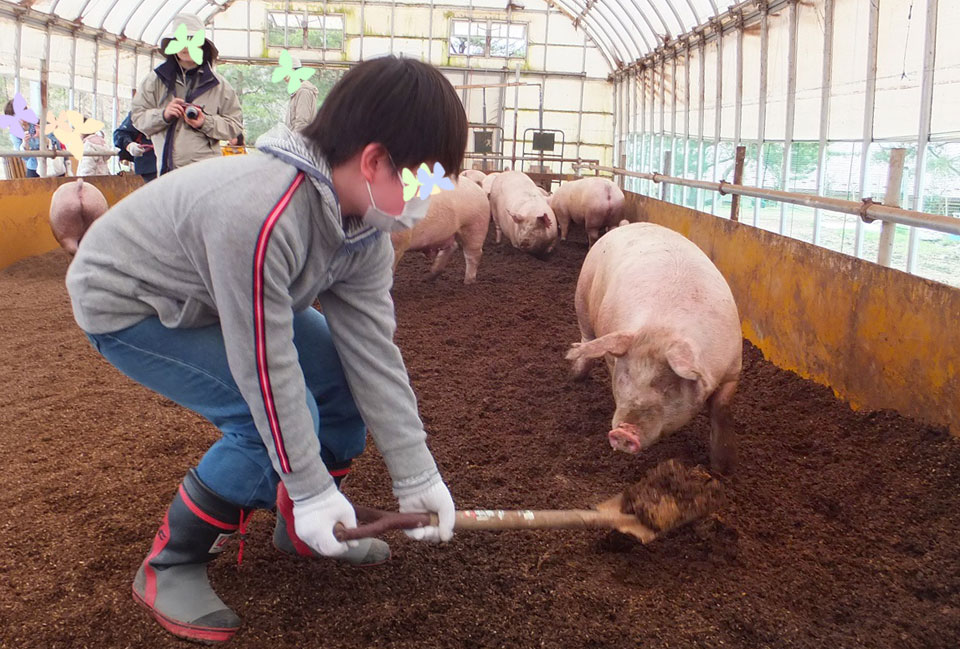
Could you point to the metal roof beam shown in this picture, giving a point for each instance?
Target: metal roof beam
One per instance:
(605, 49)
(630, 15)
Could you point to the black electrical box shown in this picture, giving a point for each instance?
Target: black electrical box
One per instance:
(483, 141)
(543, 141)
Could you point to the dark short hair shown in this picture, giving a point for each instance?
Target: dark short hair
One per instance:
(407, 106)
(8, 109)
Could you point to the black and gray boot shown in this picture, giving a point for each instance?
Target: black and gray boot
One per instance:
(172, 581)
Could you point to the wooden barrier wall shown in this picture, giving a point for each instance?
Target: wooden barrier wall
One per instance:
(880, 338)
(25, 210)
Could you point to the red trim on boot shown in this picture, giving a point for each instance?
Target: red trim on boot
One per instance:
(183, 630)
(285, 508)
(159, 543)
(199, 513)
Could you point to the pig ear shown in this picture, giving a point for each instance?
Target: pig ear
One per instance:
(683, 360)
(516, 217)
(544, 219)
(615, 344)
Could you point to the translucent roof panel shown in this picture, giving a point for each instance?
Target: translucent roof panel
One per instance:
(624, 30)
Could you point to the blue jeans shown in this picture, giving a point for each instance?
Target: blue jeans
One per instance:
(189, 366)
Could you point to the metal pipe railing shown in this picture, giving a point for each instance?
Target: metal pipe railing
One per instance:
(867, 210)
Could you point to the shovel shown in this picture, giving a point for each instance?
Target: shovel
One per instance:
(669, 496)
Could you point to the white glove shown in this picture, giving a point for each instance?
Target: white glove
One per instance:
(135, 150)
(436, 498)
(314, 518)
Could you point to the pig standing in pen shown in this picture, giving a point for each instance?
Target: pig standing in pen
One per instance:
(595, 203)
(73, 207)
(654, 305)
(459, 216)
(474, 175)
(487, 183)
(520, 211)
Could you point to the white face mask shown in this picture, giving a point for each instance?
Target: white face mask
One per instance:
(413, 212)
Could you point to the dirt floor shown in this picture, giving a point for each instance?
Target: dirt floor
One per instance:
(842, 528)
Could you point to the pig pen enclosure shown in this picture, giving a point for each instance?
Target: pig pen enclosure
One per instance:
(841, 528)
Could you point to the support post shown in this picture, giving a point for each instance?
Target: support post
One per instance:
(686, 119)
(891, 199)
(516, 104)
(718, 114)
(72, 93)
(703, 98)
(42, 132)
(826, 90)
(17, 58)
(791, 108)
(737, 180)
(96, 75)
(762, 116)
(926, 106)
(673, 119)
(667, 161)
(583, 81)
(868, 106)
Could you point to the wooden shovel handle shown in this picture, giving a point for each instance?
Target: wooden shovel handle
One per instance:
(376, 522)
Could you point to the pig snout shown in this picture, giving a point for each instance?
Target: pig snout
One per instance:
(631, 438)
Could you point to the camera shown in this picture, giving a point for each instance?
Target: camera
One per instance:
(192, 112)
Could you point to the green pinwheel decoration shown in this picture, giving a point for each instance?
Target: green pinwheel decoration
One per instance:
(193, 44)
(285, 71)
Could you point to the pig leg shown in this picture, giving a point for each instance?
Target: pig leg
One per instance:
(471, 258)
(723, 448)
(563, 223)
(471, 238)
(592, 235)
(443, 258)
(497, 231)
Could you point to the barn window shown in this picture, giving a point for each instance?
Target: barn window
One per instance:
(313, 31)
(488, 38)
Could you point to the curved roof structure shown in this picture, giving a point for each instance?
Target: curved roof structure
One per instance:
(624, 30)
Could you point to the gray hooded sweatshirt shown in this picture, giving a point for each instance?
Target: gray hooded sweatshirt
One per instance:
(246, 242)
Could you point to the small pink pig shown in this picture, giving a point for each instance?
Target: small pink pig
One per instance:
(520, 211)
(595, 203)
(73, 207)
(461, 215)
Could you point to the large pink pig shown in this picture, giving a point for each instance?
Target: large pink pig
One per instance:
(595, 203)
(654, 305)
(460, 215)
(520, 210)
(73, 207)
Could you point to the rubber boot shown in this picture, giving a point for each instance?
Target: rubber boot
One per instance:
(172, 581)
(369, 552)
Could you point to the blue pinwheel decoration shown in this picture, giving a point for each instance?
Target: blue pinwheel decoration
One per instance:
(428, 183)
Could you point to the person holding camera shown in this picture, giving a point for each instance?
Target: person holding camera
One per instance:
(185, 108)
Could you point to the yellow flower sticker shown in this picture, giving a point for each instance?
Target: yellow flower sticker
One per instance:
(69, 127)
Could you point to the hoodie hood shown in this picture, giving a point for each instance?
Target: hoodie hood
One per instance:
(293, 149)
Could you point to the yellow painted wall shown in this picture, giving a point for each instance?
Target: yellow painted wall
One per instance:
(25, 210)
(880, 338)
